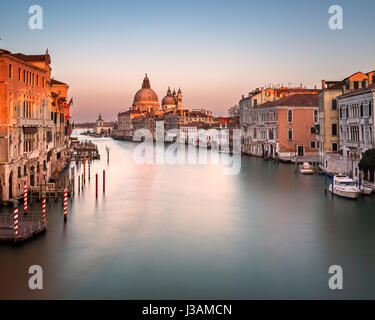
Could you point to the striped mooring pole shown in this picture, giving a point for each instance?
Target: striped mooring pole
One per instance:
(15, 219)
(84, 170)
(25, 198)
(44, 207)
(65, 204)
(89, 168)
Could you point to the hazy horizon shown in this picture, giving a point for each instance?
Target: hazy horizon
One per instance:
(215, 51)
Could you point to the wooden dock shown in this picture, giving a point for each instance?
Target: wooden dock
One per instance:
(26, 230)
(85, 150)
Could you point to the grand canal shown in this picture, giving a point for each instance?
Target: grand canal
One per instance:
(188, 231)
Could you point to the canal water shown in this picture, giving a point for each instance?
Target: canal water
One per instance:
(189, 231)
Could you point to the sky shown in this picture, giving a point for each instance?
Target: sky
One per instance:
(215, 51)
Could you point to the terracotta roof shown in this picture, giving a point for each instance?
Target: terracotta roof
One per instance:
(31, 57)
(354, 91)
(295, 100)
(53, 81)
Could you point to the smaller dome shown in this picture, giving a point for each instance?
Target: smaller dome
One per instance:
(169, 99)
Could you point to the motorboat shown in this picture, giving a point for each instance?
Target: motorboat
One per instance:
(345, 187)
(366, 190)
(306, 168)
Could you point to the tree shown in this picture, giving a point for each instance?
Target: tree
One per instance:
(234, 111)
(367, 163)
(368, 160)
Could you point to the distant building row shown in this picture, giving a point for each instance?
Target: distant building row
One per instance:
(146, 111)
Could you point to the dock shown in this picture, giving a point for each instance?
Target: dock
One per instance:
(85, 150)
(28, 227)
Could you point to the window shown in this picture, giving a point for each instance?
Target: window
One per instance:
(356, 84)
(334, 129)
(312, 144)
(290, 134)
(312, 130)
(370, 108)
(290, 116)
(24, 77)
(334, 147)
(255, 102)
(361, 109)
(315, 116)
(19, 74)
(10, 71)
(334, 104)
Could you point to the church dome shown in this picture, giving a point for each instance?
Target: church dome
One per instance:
(146, 94)
(169, 99)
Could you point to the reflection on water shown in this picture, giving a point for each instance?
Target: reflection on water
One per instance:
(188, 231)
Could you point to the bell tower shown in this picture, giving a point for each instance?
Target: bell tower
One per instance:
(179, 100)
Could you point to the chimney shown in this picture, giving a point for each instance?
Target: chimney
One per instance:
(243, 96)
(323, 84)
(314, 87)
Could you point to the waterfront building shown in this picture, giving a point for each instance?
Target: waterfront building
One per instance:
(125, 127)
(328, 129)
(257, 97)
(356, 119)
(34, 123)
(102, 127)
(285, 128)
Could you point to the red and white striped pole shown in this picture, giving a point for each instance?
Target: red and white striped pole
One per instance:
(103, 181)
(44, 207)
(15, 219)
(25, 198)
(65, 204)
(89, 168)
(84, 170)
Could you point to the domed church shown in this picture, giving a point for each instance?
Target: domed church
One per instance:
(146, 99)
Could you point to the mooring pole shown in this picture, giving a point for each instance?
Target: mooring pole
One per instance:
(79, 184)
(96, 185)
(65, 204)
(25, 198)
(15, 219)
(44, 207)
(325, 182)
(103, 181)
(84, 171)
(89, 162)
(332, 183)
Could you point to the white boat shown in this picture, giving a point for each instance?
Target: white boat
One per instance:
(305, 168)
(366, 191)
(344, 187)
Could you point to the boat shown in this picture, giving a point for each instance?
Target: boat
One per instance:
(366, 191)
(306, 168)
(345, 187)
